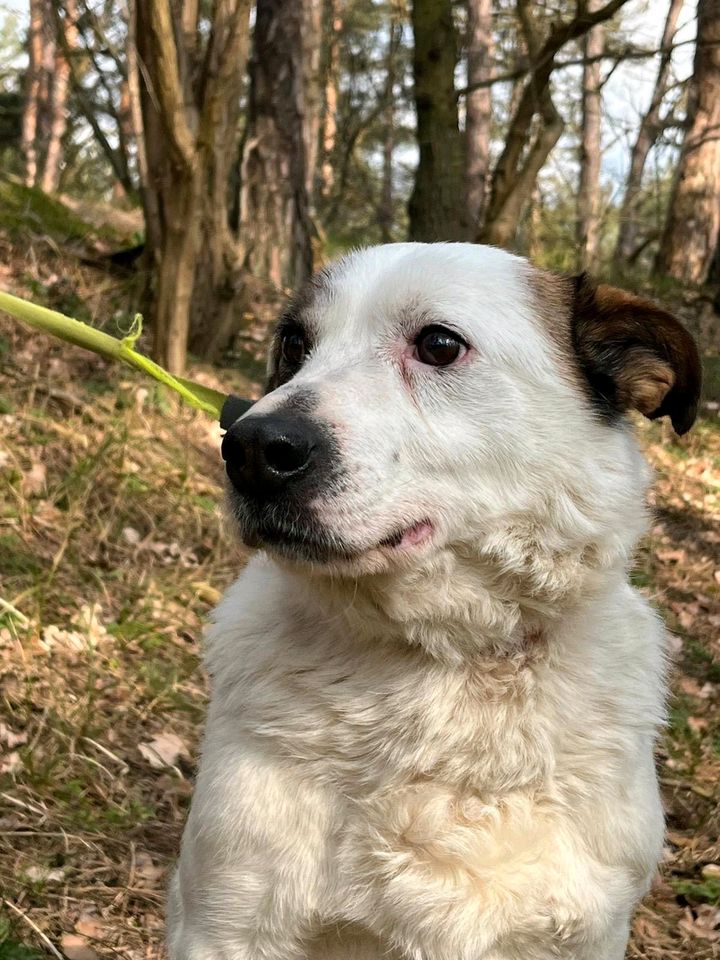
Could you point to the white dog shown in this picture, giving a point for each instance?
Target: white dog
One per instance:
(435, 694)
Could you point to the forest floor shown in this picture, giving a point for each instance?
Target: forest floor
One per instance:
(112, 551)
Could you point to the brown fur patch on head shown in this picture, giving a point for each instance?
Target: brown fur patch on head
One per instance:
(625, 351)
(553, 298)
(634, 354)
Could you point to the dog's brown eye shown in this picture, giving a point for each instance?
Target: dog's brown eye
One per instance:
(438, 347)
(293, 348)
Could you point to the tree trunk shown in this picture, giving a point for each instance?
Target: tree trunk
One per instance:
(275, 204)
(479, 107)
(177, 268)
(312, 92)
(188, 136)
(218, 301)
(588, 223)
(329, 123)
(691, 230)
(50, 179)
(386, 213)
(437, 208)
(36, 82)
(651, 126)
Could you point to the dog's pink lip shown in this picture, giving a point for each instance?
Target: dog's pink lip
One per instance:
(411, 536)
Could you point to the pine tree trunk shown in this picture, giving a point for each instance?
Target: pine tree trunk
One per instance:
(50, 179)
(650, 128)
(691, 230)
(275, 205)
(38, 40)
(588, 223)
(437, 205)
(312, 92)
(386, 212)
(334, 25)
(479, 107)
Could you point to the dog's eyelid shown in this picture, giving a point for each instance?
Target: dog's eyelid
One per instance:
(438, 326)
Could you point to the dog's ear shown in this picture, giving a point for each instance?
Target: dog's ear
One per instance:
(634, 355)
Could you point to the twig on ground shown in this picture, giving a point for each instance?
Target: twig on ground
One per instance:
(33, 926)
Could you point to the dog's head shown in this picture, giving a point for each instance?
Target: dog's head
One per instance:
(452, 398)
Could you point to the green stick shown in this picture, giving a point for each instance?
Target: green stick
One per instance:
(82, 335)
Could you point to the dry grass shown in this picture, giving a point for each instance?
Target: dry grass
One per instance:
(112, 549)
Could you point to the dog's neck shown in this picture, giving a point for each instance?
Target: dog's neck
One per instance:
(459, 605)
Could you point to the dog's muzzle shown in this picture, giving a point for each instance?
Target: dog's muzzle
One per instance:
(276, 455)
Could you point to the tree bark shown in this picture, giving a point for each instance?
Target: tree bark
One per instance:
(50, 179)
(478, 111)
(218, 292)
(437, 208)
(386, 213)
(36, 82)
(189, 127)
(275, 202)
(651, 126)
(329, 124)
(588, 223)
(691, 230)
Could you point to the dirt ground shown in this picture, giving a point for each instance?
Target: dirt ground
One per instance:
(112, 550)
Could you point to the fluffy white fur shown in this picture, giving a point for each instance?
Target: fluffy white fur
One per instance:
(447, 753)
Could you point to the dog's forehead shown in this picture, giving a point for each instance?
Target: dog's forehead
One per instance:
(479, 289)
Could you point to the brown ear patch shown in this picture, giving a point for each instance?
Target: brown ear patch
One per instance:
(634, 355)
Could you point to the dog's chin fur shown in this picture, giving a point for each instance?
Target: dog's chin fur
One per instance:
(440, 751)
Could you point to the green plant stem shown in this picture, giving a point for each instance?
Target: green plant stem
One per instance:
(82, 335)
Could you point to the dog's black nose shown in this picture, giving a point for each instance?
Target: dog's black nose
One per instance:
(263, 455)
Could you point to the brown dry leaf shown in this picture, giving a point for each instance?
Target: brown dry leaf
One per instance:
(689, 686)
(45, 874)
(34, 480)
(146, 870)
(10, 762)
(164, 750)
(672, 556)
(90, 926)
(645, 928)
(10, 738)
(697, 724)
(704, 925)
(53, 636)
(130, 535)
(76, 947)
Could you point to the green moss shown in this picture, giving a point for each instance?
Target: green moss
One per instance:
(26, 209)
(703, 891)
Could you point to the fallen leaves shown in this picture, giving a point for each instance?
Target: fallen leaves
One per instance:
(164, 750)
(76, 947)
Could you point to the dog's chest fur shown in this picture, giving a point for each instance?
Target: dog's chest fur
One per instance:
(547, 719)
